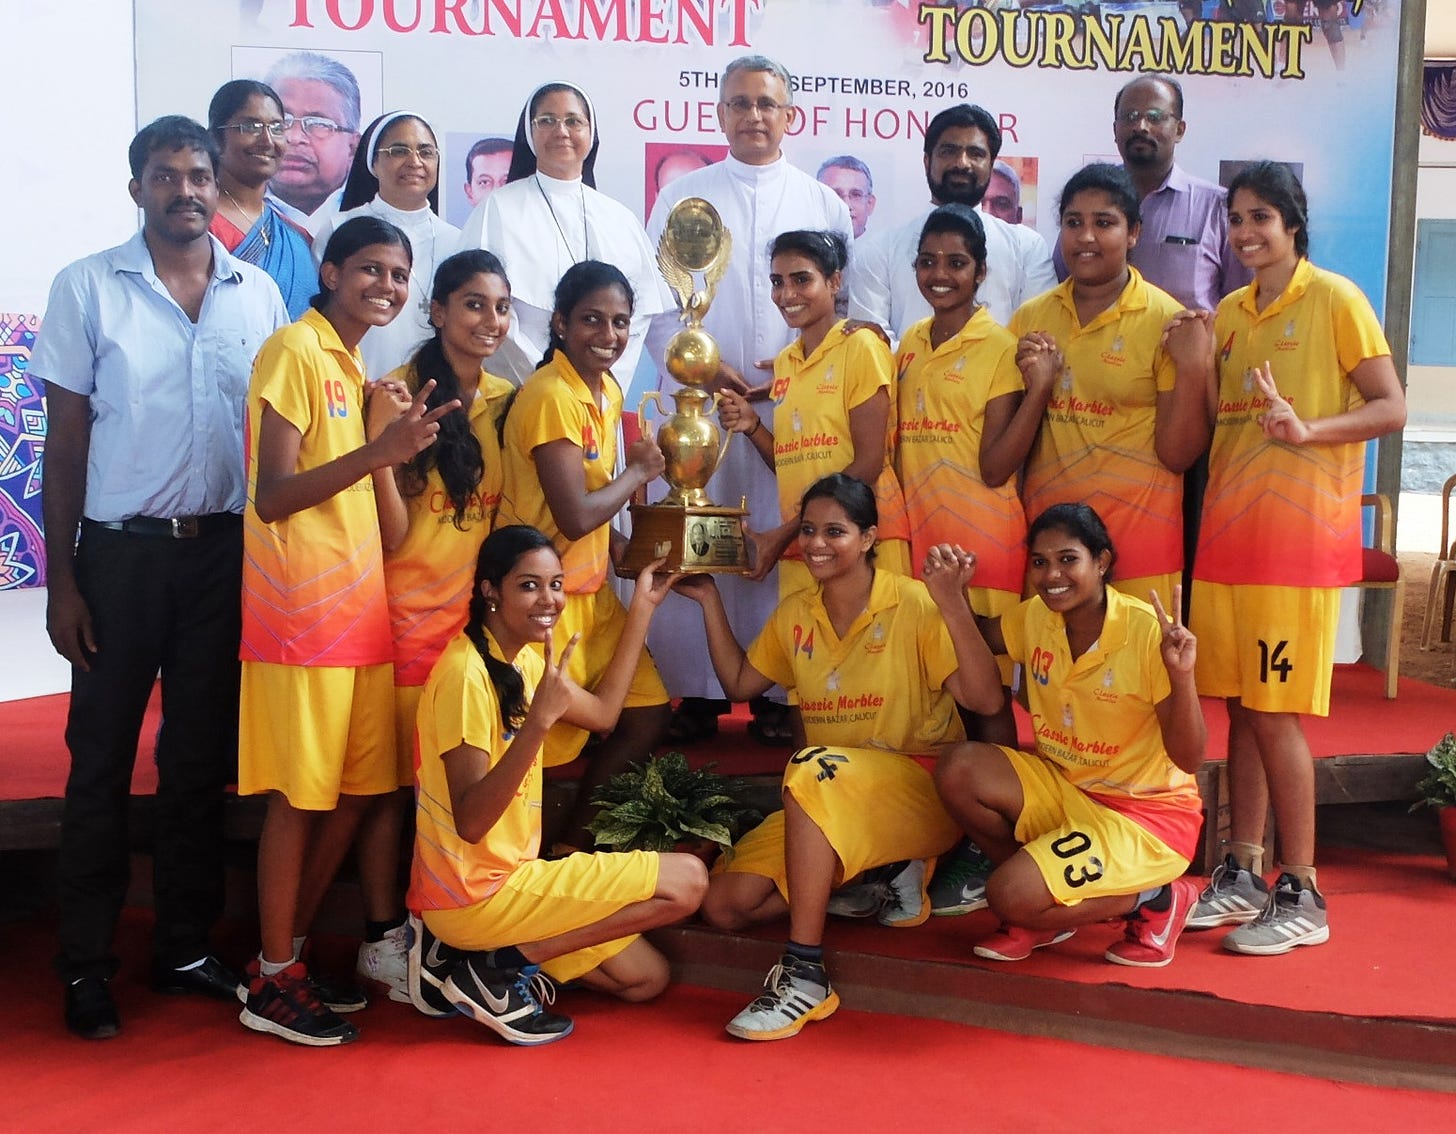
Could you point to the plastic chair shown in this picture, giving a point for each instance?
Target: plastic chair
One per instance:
(1442, 594)
(1380, 570)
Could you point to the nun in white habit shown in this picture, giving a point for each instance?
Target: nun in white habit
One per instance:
(550, 216)
(395, 176)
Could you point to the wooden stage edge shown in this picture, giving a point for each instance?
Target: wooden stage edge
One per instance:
(1381, 1051)
(35, 824)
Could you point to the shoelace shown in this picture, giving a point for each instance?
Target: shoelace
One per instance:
(537, 988)
(768, 1000)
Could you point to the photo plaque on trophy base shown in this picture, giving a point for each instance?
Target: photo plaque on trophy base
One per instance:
(697, 540)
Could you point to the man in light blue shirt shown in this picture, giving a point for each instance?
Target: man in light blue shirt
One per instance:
(145, 352)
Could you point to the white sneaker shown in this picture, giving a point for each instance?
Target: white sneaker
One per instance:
(794, 992)
(386, 963)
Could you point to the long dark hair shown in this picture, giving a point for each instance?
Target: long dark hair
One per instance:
(361, 186)
(354, 234)
(456, 452)
(1110, 179)
(500, 552)
(578, 282)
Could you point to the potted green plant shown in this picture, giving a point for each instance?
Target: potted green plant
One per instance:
(1438, 790)
(663, 804)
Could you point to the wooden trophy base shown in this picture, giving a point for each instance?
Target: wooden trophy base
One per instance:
(697, 540)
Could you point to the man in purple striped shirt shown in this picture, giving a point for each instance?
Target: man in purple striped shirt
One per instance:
(1184, 246)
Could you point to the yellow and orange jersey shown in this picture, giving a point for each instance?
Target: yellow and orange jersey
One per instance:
(812, 397)
(1273, 513)
(459, 706)
(1096, 441)
(555, 405)
(430, 575)
(313, 582)
(943, 393)
(880, 686)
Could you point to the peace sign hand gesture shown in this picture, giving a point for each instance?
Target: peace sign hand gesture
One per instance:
(1179, 646)
(556, 690)
(1279, 422)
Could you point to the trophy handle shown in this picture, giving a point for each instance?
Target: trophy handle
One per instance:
(655, 397)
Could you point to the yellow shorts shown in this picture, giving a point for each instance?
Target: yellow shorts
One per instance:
(406, 709)
(1083, 849)
(892, 555)
(1144, 585)
(1271, 647)
(599, 618)
(542, 899)
(873, 806)
(316, 732)
(987, 603)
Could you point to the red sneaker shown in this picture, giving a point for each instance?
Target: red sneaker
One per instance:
(1012, 943)
(1151, 935)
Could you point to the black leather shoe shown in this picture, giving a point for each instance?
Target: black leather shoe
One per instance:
(211, 978)
(90, 1011)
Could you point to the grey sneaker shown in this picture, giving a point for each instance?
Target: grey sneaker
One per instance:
(794, 993)
(907, 903)
(1233, 896)
(1294, 915)
(959, 885)
(859, 899)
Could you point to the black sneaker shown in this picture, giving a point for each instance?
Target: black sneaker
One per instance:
(339, 997)
(286, 1006)
(90, 1010)
(507, 1001)
(430, 962)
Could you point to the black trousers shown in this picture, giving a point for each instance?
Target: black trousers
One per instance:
(174, 606)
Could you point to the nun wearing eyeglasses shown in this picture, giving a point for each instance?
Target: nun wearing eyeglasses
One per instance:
(549, 216)
(394, 176)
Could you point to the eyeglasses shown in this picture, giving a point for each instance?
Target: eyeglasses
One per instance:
(276, 130)
(765, 106)
(399, 152)
(1151, 117)
(574, 123)
(314, 126)
(852, 195)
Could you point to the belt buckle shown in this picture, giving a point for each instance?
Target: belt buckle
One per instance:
(184, 527)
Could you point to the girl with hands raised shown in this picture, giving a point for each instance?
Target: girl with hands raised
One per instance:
(559, 450)
(493, 921)
(1101, 819)
(878, 661)
(1124, 407)
(1280, 537)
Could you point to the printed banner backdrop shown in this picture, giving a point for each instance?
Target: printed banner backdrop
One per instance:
(869, 75)
(22, 441)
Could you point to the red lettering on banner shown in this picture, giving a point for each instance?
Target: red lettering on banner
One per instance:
(689, 22)
(616, 11)
(366, 13)
(391, 15)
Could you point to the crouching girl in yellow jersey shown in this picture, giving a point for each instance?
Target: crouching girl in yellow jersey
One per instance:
(511, 918)
(1101, 820)
(878, 661)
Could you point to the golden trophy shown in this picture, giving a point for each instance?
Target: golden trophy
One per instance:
(693, 533)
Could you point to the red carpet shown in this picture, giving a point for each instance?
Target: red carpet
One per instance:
(33, 762)
(1390, 953)
(185, 1064)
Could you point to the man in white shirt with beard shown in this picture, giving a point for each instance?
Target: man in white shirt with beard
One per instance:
(759, 195)
(961, 145)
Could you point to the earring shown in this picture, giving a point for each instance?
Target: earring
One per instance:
(491, 605)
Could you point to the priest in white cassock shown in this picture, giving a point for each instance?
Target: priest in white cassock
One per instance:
(549, 216)
(759, 195)
(961, 144)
